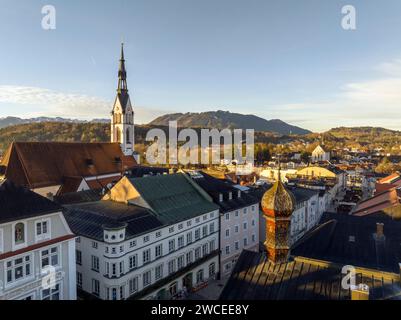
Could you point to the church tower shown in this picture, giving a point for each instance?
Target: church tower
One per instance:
(278, 204)
(122, 115)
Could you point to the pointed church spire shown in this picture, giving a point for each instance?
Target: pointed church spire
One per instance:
(122, 73)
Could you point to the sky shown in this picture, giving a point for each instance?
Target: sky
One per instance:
(286, 59)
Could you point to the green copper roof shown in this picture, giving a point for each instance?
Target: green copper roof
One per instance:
(173, 197)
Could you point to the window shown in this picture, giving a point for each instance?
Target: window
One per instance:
(236, 214)
(227, 233)
(211, 214)
(245, 242)
(197, 220)
(158, 234)
(133, 261)
(121, 267)
(114, 269)
(94, 245)
(204, 231)
(189, 223)
(95, 287)
(199, 276)
(146, 256)
(245, 225)
(78, 240)
(180, 262)
(212, 269)
(132, 244)
(18, 268)
(79, 279)
(159, 272)
(122, 291)
(147, 278)
(180, 242)
(212, 245)
(189, 238)
(227, 216)
(113, 250)
(78, 257)
(180, 226)
(227, 249)
(197, 234)
(106, 249)
(204, 217)
(189, 257)
(171, 245)
(236, 245)
(253, 238)
(19, 233)
(253, 223)
(236, 229)
(171, 266)
(171, 229)
(146, 239)
(197, 253)
(51, 294)
(114, 294)
(50, 257)
(205, 249)
(245, 210)
(159, 251)
(253, 208)
(95, 263)
(133, 285)
(42, 230)
(121, 249)
(211, 227)
(173, 289)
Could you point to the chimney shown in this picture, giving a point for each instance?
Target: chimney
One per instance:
(379, 235)
(380, 229)
(360, 292)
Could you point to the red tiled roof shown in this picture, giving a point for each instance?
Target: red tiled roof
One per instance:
(391, 178)
(42, 164)
(382, 201)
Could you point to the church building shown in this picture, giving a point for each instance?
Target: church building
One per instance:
(122, 115)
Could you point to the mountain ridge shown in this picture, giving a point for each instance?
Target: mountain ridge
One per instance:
(225, 119)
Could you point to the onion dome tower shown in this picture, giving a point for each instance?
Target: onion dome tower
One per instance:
(278, 204)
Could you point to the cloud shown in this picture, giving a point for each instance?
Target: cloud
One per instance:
(68, 105)
(56, 103)
(373, 102)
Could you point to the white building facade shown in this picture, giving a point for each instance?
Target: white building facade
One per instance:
(37, 250)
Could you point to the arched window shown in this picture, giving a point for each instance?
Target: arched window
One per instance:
(19, 233)
(128, 139)
(118, 135)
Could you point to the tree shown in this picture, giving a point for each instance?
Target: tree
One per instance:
(305, 156)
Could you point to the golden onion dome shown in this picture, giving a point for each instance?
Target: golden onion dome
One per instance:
(278, 201)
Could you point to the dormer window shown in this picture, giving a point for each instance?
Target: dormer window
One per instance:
(19, 233)
(230, 195)
(42, 230)
(239, 193)
(220, 197)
